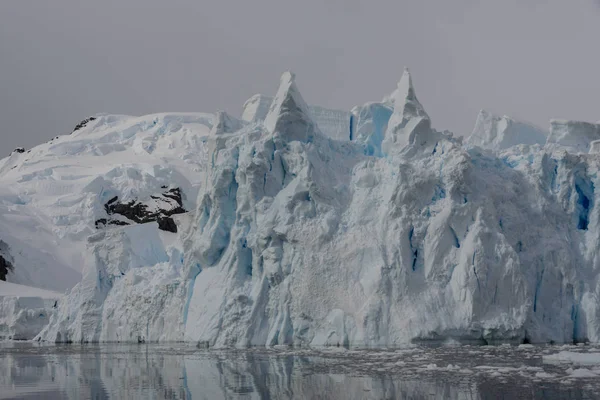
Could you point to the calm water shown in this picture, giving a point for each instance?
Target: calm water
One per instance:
(29, 371)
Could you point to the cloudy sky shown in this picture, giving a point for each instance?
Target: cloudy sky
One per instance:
(61, 61)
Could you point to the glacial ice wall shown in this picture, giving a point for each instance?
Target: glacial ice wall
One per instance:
(402, 234)
(25, 311)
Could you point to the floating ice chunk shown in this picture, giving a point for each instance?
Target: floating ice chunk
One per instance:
(526, 346)
(581, 373)
(545, 375)
(572, 358)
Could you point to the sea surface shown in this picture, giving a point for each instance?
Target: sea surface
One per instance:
(176, 371)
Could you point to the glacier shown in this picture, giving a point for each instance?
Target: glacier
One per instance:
(299, 225)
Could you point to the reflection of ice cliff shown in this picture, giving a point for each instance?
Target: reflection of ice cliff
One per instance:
(142, 372)
(184, 372)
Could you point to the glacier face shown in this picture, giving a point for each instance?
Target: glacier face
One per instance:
(393, 233)
(25, 311)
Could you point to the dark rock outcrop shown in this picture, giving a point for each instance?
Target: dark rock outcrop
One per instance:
(167, 224)
(102, 222)
(83, 123)
(5, 263)
(159, 208)
(19, 150)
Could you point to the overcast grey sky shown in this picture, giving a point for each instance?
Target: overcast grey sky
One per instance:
(61, 61)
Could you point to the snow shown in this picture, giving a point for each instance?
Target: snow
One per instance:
(575, 136)
(594, 147)
(499, 133)
(256, 108)
(56, 191)
(293, 235)
(11, 289)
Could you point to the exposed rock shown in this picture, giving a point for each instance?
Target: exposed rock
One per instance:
(162, 208)
(5, 264)
(103, 222)
(5, 267)
(167, 224)
(83, 123)
(19, 150)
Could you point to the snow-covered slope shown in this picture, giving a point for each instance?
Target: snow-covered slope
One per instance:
(284, 234)
(499, 133)
(112, 170)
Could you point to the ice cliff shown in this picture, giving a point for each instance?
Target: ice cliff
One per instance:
(369, 228)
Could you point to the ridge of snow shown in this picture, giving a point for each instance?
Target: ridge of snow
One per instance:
(498, 133)
(576, 136)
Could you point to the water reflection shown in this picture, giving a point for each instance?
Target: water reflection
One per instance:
(179, 372)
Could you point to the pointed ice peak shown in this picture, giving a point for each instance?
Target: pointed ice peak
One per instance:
(224, 123)
(289, 116)
(409, 123)
(405, 99)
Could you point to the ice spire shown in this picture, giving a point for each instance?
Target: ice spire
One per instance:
(409, 119)
(289, 115)
(405, 99)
